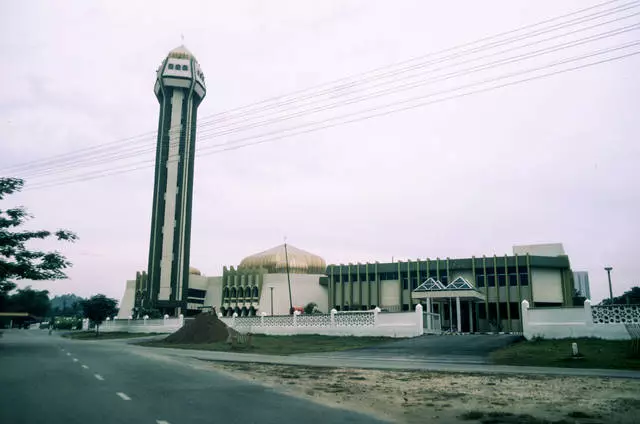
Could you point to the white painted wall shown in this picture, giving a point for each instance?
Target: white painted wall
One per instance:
(544, 249)
(564, 323)
(170, 198)
(389, 293)
(547, 285)
(214, 292)
(305, 288)
(128, 299)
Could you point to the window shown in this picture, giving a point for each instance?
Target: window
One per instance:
(185, 68)
(491, 280)
(514, 310)
(234, 292)
(171, 66)
(482, 312)
(405, 283)
(513, 279)
(479, 280)
(254, 292)
(444, 280)
(502, 280)
(247, 292)
(225, 292)
(524, 279)
(414, 283)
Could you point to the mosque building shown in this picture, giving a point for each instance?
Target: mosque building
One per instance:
(467, 295)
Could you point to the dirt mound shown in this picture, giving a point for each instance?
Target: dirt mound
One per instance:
(205, 328)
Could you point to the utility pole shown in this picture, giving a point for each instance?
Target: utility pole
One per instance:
(286, 257)
(608, 269)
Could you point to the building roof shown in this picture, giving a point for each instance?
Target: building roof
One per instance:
(274, 261)
(181, 52)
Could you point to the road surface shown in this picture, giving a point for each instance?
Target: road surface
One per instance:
(48, 379)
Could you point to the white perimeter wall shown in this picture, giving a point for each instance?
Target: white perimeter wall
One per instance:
(563, 323)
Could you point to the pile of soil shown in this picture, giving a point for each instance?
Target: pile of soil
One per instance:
(205, 328)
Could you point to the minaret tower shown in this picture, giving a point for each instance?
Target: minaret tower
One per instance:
(179, 88)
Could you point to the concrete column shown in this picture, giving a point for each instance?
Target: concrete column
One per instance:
(429, 323)
(450, 314)
(471, 316)
(458, 314)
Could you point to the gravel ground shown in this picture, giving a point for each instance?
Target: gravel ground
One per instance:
(418, 397)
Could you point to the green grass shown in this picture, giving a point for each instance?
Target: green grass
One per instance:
(595, 353)
(91, 335)
(282, 345)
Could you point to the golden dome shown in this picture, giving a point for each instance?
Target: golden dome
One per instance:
(194, 271)
(274, 261)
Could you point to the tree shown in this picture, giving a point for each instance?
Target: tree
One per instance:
(67, 305)
(630, 297)
(17, 262)
(98, 308)
(35, 302)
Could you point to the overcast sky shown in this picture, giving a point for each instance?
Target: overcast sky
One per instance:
(549, 160)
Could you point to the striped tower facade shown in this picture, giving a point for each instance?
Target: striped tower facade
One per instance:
(179, 88)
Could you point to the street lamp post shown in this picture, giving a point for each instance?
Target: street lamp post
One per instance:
(608, 269)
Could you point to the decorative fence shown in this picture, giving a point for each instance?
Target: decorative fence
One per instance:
(354, 323)
(612, 322)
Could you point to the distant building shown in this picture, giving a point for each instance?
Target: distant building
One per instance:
(581, 283)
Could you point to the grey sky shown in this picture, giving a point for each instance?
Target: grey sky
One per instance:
(553, 160)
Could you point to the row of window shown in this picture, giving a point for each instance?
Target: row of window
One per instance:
(240, 292)
(423, 275)
(177, 67)
(502, 279)
(184, 68)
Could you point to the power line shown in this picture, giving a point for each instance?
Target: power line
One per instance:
(130, 141)
(91, 176)
(478, 68)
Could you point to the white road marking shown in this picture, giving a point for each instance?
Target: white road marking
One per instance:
(75, 359)
(85, 367)
(123, 396)
(98, 376)
(162, 422)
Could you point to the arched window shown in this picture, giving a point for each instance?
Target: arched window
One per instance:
(185, 68)
(171, 66)
(234, 292)
(254, 292)
(247, 292)
(225, 292)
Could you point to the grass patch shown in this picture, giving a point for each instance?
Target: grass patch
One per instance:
(91, 335)
(472, 415)
(579, 414)
(594, 353)
(282, 345)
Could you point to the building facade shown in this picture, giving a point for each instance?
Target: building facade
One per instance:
(476, 294)
(502, 282)
(581, 283)
(179, 89)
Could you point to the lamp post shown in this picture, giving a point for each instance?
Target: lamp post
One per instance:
(608, 269)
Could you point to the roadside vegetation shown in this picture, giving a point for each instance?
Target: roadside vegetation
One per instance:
(280, 345)
(593, 353)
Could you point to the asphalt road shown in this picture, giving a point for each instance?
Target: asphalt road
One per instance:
(48, 379)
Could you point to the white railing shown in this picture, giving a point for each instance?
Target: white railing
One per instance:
(616, 322)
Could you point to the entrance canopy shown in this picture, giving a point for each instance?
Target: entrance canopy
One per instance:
(459, 287)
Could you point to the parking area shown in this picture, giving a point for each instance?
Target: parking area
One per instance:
(472, 348)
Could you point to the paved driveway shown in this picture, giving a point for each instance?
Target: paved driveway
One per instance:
(447, 348)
